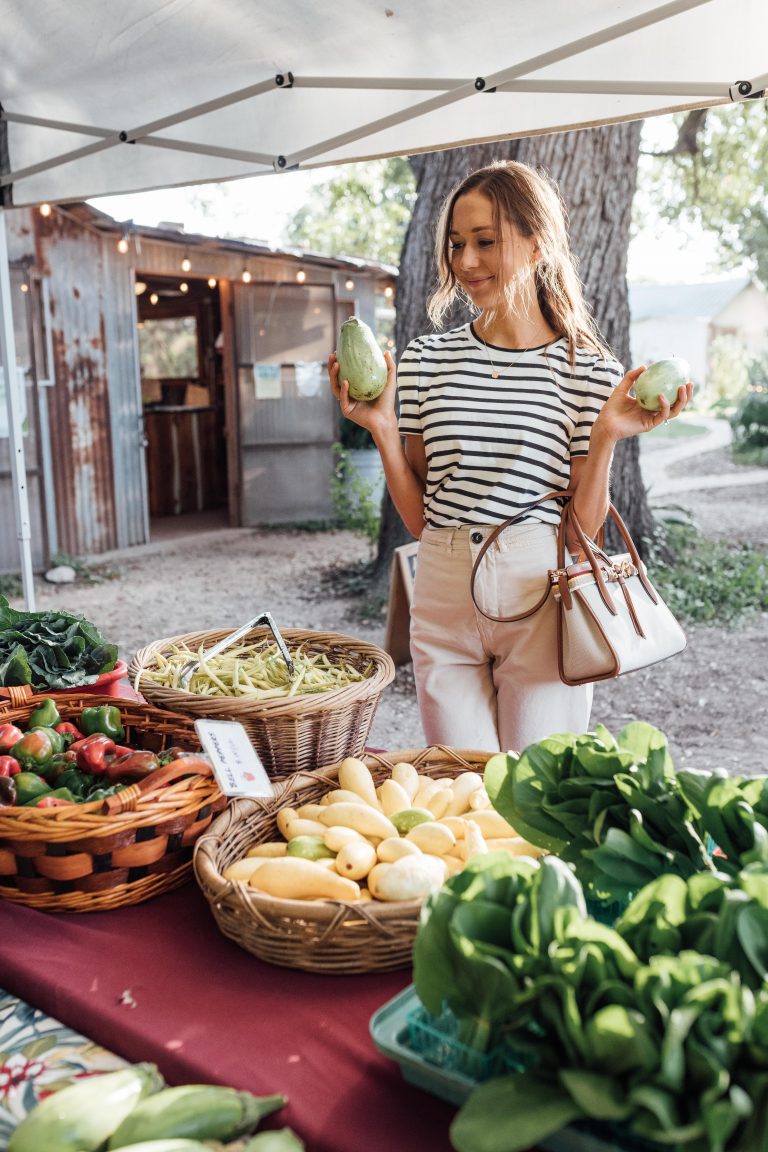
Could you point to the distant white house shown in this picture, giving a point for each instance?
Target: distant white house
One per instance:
(684, 319)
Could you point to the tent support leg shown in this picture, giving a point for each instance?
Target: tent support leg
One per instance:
(16, 436)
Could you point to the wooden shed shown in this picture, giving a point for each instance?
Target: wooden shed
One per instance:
(168, 375)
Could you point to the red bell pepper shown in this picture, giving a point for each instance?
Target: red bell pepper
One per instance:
(9, 735)
(69, 731)
(94, 752)
(9, 766)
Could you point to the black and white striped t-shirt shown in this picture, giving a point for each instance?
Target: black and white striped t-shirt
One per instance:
(495, 446)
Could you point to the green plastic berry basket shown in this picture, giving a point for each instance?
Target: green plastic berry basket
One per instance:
(431, 1057)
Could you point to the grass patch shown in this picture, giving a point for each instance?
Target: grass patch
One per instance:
(85, 573)
(756, 457)
(10, 586)
(708, 581)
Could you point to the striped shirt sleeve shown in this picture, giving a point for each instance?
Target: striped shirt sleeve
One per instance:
(408, 384)
(604, 375)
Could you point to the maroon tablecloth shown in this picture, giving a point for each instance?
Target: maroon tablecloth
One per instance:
(159, 982)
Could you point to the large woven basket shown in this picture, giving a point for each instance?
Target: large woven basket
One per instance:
(79, 859)
(330, 936)
(291, 734)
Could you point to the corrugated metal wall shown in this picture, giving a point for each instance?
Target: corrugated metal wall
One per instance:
(70, 256)
(125, 408)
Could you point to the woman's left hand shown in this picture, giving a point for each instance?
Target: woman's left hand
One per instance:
(622, 416)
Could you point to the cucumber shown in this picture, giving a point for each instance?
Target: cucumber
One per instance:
(361, 361)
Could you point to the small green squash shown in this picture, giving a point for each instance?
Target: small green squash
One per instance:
(361, 360)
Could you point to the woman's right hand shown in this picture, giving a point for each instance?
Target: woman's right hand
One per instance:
(375, 415)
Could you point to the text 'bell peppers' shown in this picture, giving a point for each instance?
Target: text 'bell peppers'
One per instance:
(45, 715)
(103, 718)
(94, 752)
(9, 735)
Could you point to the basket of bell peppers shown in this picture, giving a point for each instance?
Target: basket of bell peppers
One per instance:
(100, 802)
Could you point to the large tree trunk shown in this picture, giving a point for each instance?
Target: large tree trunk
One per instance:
(596, 172)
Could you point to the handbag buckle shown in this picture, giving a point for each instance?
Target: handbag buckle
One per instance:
(622, 570)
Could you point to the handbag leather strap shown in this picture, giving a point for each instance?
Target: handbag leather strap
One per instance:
(565, 494)
(592, 550)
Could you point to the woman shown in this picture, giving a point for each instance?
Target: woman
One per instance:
(495, 414)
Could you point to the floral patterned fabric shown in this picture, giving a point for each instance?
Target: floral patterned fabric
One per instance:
(38, 1055)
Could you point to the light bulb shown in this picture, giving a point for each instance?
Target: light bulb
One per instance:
(301, 275)
(24, 287)
(246, 277)
(122, 245)
(186, 264)
(183, 287)
(45, 209)
(154, 298)
(212, 281)
(389, 291)
(139, 287)
(349, 284)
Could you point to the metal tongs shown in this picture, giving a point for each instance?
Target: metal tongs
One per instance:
(263, 618)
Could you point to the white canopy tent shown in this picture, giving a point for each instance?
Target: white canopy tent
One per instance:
(98, 98)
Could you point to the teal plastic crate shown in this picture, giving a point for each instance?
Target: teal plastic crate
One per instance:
(432, 1058)
(429, 1052)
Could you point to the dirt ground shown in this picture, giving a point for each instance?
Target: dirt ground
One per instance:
(711, 701)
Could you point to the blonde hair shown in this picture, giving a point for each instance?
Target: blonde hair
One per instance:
(532, 204)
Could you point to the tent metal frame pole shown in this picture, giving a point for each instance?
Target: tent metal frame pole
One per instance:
(482, 84)
(15, 431)
(451, 92)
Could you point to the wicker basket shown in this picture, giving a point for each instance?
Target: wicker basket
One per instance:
(79, 859)
(291, 734)
(329, 936)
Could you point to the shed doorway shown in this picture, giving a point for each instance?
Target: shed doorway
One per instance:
(183, 403)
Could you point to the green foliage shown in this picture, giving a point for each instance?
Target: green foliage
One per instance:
(10, 585)
(354, 500)
(168, 347)
(708, 581)
(364, 211)
(721, 184)
(750, 424)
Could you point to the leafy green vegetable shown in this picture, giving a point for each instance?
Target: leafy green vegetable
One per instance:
(611, 806)
(51, 650)
(720, 915)
(658, 1025)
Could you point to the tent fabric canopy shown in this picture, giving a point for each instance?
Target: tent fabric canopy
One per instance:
(102, 98)
(99, 98)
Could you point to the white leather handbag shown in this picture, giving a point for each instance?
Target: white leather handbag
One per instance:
(611, 619)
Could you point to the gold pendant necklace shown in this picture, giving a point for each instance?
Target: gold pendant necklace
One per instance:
(495, 373)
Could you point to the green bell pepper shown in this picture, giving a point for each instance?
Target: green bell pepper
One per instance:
(57, 740)
(104, 718)
(29, 786)
(76, 781)
(46, 715)
(53, 799)
(34, 749)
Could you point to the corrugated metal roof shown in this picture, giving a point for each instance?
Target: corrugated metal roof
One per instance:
(87, 214)
(683, 301)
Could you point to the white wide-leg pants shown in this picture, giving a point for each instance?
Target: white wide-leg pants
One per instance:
(482, 685)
